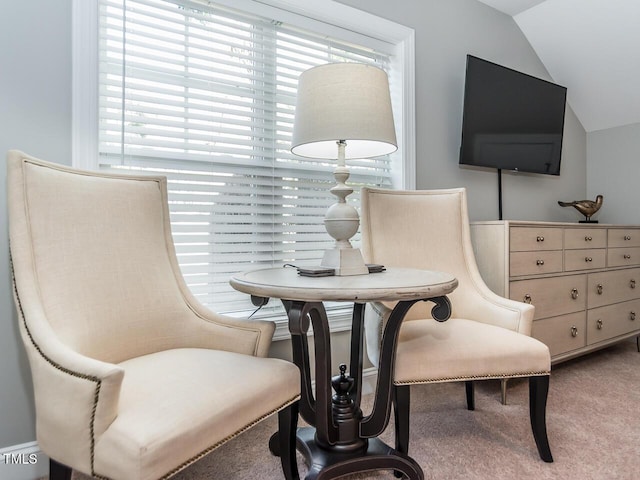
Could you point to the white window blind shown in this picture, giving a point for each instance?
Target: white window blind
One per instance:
(205, 95)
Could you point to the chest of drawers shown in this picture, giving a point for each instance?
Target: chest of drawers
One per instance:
(581, 278)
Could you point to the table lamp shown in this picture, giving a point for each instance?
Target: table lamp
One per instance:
(343, 111)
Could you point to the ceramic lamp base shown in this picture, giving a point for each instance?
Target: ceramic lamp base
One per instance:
(345, 261)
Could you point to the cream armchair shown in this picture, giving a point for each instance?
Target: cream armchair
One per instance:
(487, 336)
(133, 378)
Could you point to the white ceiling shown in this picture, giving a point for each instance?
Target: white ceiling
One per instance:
(592, 47)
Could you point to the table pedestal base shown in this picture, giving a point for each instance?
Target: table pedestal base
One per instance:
(325, 464)
(340, 439)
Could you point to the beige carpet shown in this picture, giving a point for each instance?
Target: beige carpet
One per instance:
(593, 422)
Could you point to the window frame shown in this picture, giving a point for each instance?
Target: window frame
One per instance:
(333, 14)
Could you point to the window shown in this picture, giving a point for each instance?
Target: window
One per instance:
(204, 93)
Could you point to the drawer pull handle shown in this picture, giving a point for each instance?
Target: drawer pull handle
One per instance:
(574, 293)
(540, 238)
(632, 315)
(539, 262)
(588, 259)
(588, 239)
(627, 237)
(627, 256)
(600, 288)
(527, 298)
(599, 324)
(574, 331)
(632, 283)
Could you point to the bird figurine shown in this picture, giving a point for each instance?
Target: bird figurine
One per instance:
(585, 207)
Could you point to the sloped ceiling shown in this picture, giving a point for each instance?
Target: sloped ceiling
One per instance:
(592, 47)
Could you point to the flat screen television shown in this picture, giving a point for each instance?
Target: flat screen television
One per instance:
(511, 120)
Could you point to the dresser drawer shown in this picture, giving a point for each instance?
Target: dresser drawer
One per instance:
(623, 237)
(551, 296)
(562, 334)
(584, 259)
(531, 263)
(619, 257)
(613, 320)
(522, 239)
(605, 288)
(576, 238)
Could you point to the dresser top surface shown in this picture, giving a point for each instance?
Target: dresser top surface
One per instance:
(533, 223)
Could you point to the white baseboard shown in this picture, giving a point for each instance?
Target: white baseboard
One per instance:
(23, 462)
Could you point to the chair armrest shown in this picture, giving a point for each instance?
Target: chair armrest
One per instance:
(76, 397)
(221, 332)
(483, 305)
(476, 301)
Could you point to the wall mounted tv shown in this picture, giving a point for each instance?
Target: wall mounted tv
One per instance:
(511, 120)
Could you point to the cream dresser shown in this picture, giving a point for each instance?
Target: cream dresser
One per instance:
(582, 279)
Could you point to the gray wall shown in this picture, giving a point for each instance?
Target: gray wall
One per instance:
(613, 166)
(446, 31)
(35, 116)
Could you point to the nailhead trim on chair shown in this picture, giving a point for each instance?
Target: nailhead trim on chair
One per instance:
(83, 376)
(473, 377)
(208, 450)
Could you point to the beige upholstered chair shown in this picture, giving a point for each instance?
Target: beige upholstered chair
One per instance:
(133, 378)
(487, 336)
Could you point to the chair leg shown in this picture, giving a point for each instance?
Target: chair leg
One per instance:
(538, 390)
(287, 428)
(503, 390)
(58, 471)
(638, 343)
(471, 398)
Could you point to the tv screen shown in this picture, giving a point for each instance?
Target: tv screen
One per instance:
(511, 120)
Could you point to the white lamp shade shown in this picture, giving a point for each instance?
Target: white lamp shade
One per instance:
(343, 101)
